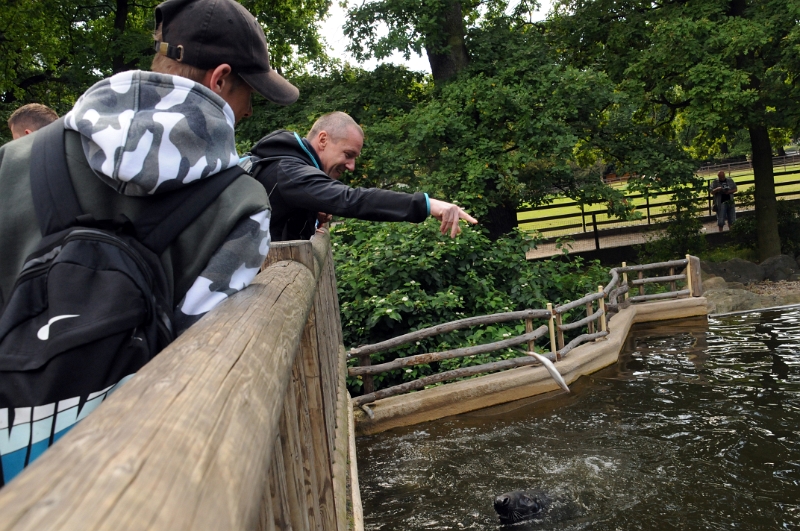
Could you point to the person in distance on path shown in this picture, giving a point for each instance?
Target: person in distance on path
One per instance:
(723, 189)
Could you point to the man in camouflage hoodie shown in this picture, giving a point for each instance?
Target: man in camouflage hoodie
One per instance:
(138, 134)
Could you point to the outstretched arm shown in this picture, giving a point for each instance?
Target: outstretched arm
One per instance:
(449, 214)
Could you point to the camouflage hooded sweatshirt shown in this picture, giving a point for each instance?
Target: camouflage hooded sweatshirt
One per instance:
(145, 133)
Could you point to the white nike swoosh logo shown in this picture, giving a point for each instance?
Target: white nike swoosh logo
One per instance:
(44, 332)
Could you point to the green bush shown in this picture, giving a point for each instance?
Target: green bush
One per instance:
(394, 278)
(744, 232)
(682, 234)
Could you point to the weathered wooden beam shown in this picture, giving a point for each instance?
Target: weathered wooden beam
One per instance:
(657, 296)
(657, 265)
(187, 443)
(580, 302)
(651, 280)
(580, 340)
(447, 354)
(444, 376)
(583, 322)
(447, 327)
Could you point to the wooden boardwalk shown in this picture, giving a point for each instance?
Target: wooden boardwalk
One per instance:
(608, 239)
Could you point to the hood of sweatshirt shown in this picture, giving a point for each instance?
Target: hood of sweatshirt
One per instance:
(145, 133)
(285, 144)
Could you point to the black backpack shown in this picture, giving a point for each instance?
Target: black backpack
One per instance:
(90, 307)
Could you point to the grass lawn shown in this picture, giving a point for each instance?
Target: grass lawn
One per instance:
(561, 206)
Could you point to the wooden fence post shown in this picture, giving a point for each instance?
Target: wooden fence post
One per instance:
(602, 304)
(647, 201)
(552, 327)
(589, 311)
(673, 286)
(696, 276)
(596, 235)
(641, 286)
(559, 332)
(583, 217)
(369, 383)
(625, 281)
(528, 330)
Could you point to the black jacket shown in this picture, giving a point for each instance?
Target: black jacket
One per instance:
(298, 190)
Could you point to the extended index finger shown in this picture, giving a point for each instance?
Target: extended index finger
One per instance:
(464, 215)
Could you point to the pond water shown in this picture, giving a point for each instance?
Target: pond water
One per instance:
(696, 427)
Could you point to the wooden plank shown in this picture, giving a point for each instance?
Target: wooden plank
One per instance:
(295, 251)
(355, 490)
(308, 461)
(135, 463)
(278, 489)
(316, 414)
(292, 459)
(328, 341)
(267, 521)
(340, 452)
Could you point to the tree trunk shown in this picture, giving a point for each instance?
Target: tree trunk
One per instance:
(120, 20)
(769, 243)
(500, 220)
(449, 56)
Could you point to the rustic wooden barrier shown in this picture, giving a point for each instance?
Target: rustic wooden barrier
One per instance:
(241, 424)
(582, 219)
(595, 323)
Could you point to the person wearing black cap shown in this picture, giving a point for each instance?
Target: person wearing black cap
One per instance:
(140, 134)
(130, 141)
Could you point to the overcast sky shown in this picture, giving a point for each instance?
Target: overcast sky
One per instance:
(332, 31)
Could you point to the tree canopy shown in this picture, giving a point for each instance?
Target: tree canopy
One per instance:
(53, 50)
(515, 110)
(713, 67)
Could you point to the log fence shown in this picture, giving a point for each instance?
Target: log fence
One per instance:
(240, 424)
(585, 220)
(594, 327)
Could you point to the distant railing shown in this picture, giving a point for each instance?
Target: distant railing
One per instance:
(240, 424)
(731, 168)
(596, 324)
(654, 209)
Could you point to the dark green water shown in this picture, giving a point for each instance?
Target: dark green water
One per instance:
(696, 427)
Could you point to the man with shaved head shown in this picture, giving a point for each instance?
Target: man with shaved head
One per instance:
(301, 177)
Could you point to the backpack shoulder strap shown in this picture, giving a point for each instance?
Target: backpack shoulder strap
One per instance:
(172, 213)
(54, 198)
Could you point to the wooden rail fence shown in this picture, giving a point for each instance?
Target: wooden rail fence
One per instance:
(240, 424)
(607, 300)
(584, 219)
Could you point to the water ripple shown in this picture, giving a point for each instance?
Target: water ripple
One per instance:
(693, 428)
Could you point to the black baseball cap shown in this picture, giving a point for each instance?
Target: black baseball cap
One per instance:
(208, 33)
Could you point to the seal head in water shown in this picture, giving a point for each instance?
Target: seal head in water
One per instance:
(518, 506)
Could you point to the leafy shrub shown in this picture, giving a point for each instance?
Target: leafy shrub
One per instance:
(745, 232)
(682, 235)
(394, 278)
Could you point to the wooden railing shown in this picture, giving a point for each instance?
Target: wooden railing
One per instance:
(654, 209)
(607, 300)
(732, 168)
(240, 424)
